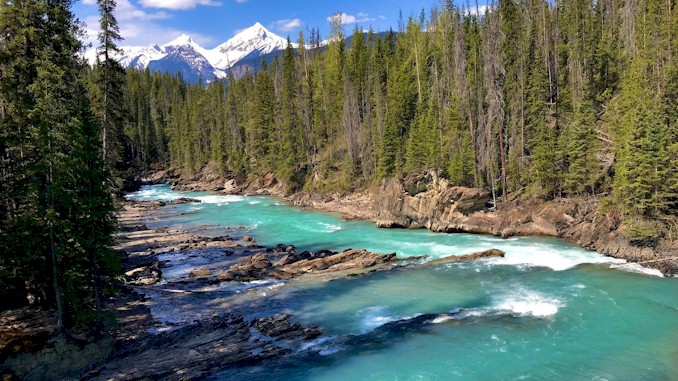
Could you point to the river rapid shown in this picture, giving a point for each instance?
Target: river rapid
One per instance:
(548, 310)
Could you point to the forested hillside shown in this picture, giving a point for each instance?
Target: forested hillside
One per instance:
(529, 99)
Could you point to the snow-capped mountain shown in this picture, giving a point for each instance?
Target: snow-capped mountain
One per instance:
(254, 41)
(139, 56)
(184, 55)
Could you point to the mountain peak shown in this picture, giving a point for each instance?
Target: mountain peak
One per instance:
(256, 31)
(183, 39)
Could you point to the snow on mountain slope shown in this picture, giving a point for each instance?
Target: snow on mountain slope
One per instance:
(185, 55)
(140, 56)
(255, 40)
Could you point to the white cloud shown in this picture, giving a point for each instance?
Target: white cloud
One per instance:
(126, 11)
(139, 27)
(345, 18)
(286, 25)
(479, 10)
(240, 1)
(178, 4)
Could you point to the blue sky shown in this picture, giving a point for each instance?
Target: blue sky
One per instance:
(211, 22)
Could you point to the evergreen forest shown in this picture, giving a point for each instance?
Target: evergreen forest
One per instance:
(530, 99)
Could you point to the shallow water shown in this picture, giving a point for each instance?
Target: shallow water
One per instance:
(547, 311)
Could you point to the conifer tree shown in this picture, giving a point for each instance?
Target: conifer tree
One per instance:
(580, 143)
(290, 144)
(260, 125)
(109, 100)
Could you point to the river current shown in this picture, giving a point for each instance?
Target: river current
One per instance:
(549, 310)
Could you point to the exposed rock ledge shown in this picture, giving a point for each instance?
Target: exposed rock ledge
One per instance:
(324, 263)
(330, 265)
(431, 202)
(492, 253)
(197, 350)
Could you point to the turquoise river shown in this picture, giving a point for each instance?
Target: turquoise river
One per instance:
(549, 310)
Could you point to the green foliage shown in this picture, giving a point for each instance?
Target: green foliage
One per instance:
(547, 99)
(461, 163)
(56, 221)
(580, 143)
(107, 95)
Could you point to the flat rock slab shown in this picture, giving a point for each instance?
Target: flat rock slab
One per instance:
(492, 253)
(197, 350)
(307, 264)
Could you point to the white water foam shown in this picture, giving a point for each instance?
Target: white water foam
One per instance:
(153, 193)
(636, 268)
(438, 250)
(330, 228)
(530, 304)
(558, 259)
(442, 319)
(519, 302)
(319, 227)
(323, 345)
(166, 194)
(433, 249)
(519, 253)
(219, 199)
(270, 284)
(374, 317)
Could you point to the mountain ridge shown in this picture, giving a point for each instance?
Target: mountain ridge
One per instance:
(184, 55)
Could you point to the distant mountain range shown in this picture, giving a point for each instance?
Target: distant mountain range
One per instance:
(185, 56)
(238, 55)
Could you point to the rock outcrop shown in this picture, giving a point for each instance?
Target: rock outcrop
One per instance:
(492, 253)
(426, 201)
(184, 200)
(293, 265)
(200, 273)
(195, 351)
(144, 275)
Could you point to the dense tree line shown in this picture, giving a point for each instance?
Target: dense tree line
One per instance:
(532, 98)
(56, 210)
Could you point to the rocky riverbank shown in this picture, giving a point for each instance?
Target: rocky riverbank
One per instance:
(170, 319)
(428, 201)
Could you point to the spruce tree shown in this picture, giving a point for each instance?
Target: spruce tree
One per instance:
(290, 144)
(109, 103)
(580, 143)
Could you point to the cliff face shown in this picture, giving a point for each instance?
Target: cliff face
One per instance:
(427, 201)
